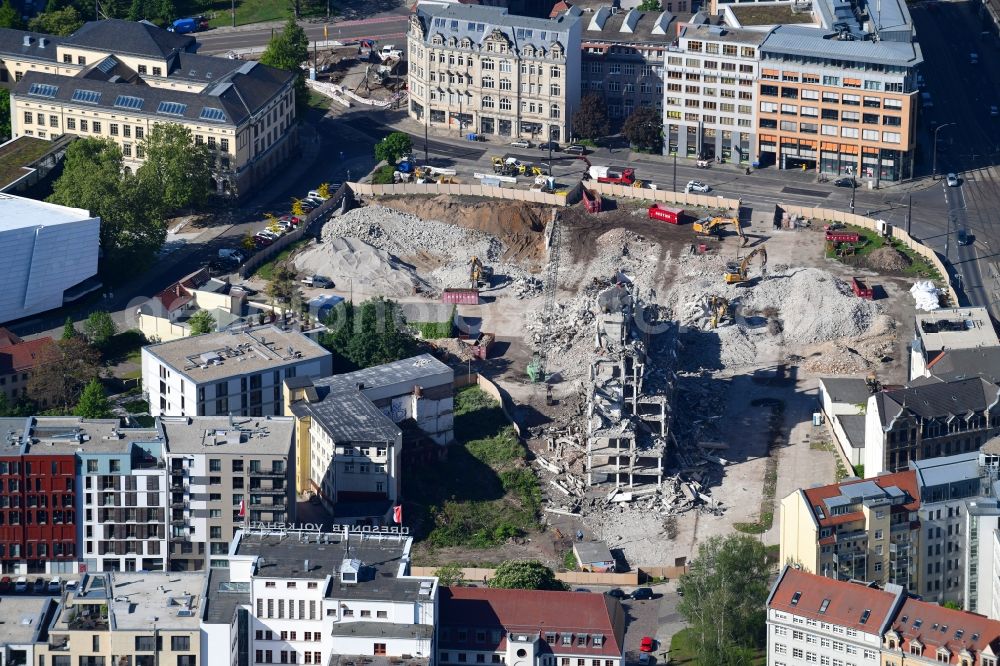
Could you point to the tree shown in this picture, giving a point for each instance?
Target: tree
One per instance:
(953, 605)
(644, 129)
(93, 402)
(9, 17)
(591, 120)
(724, 594)
(283, 288)
(450, 575)
(201, 322)
(371, 334)
(60, 22)
(324, 190)
(5, 409)
(524, 575)
(175, 166)
(64, 369)
(649, 6)
(4, 114)
(392, 147)
(287, 50)
(69, 330)
(99, 328)
(132, 227)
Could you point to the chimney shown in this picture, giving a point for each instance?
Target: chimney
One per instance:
(307, 566)
(27, 40)
(42, 41)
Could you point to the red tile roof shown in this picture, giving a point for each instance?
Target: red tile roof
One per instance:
(179, 293)
(848, 602)
(955, 630)
(905, 481)
(559, 8)
(534, 612)
(22, 356)
(7, 337)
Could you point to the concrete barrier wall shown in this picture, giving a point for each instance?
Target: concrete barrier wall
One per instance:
(663, 196)
(479, 575)
(899, 234)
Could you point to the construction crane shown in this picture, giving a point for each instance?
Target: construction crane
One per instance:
(713, 226)
(737, 273)
(479, 274)
(719, 307)
(536, 369)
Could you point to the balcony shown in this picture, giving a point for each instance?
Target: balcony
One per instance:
(268, 491)
(841, 537)
(268, 473)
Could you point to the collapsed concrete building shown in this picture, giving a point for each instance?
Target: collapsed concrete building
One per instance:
(628, 407)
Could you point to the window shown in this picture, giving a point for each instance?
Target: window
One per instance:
(113, 128)
(71, 123)
(180, 643)
(890, 137)
(27, 117)
(97, 127)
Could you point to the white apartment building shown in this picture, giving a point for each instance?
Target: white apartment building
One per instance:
(217, 465)
(305, 597)
(709, 93)
(816, 620)
(350, 442)
(38, 271)
(233, 372)
(479, 69)
(940, 333)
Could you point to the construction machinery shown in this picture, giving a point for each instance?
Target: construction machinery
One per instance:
(603, 174)
(537, 367)
(737, 273)
(719, 307)
(712, 226)
(479, 274)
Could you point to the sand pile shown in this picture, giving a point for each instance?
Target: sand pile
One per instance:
(887, 260)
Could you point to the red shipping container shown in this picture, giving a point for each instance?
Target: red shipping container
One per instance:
(842, 236)
(665, 214)
(460, 296)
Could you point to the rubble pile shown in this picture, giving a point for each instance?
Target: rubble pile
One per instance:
(526, 287)
(344, 259)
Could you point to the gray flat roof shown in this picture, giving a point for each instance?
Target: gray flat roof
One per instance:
(234, 353)
(949, 469)
(722, 33)
(592, 551)
(223, 597)
(237, 435)
(170, 600)
(348, 416)
(808, 42)
(20, 618)
(956, 328)
(382, 630)
(846, 390)
(284, 556)
(73, 434)
(854, 428)
(406, 371)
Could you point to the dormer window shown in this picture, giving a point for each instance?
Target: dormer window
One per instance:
(581, 640)
(597, 640)
(550, 638)
(916, 648)
(567, 639)
(943, 656)
(987, 661)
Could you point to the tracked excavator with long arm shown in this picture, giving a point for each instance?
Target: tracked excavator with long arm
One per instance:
(737, 273)
(713, 227)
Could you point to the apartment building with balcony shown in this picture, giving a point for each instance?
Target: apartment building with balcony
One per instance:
(532, 627)
(840, 98)
(817, 620)
(38, 501)
(929, 420)
(856, 530)
(353, 429)
(622, 56)
(479, 69)
(225, 472)
(709, 93)
(305, 597)
(236, 372)
(115, 79)
(126, 619)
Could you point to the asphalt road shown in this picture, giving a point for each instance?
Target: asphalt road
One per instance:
(386, 26)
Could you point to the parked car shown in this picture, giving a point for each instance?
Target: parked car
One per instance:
(21, 585)
(71, 585)
(846, 181)
(285, 226)
(273, 235)
(314, 194)
(261, 240)
(232, 254)
(697, 186)
(39, 587)
(520, 143)
(642, 593)
(963, 237)
(6, 585)
(576, 149)
(616, 592)
(55, 585)
(645, 658)
(307, 205)
(646, 645)
(952, 180)
(973, 58)
(315, 201)
(317, 281)
(550, 145)
(296, 221)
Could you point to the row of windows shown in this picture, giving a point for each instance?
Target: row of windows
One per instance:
(15, 517)
(726, 49)
(287, 657)
(39, 549)
(268, 635)
(276, 609)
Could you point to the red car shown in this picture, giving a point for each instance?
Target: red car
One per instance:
(262, 241)
(6, 585)
(646, 645)
(291, 218)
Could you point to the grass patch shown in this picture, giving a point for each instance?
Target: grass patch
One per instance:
(871, 241)
(266, 270)
(432, 330)
(317, 101)
(383, 175)
(484, 493)
(20, 154)
(252, 11)
(684, 650)
(569, 560)
(136, 407)
(124, 346)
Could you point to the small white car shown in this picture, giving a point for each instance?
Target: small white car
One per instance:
(952, 180)
(21, 585)
(520, 143)
(697, 186)
(314, 194)
(317, 281)
(55, 585)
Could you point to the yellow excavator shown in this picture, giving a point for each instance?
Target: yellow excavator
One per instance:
(737, 273)
(479, 274)
(713, 227)
(719, 306)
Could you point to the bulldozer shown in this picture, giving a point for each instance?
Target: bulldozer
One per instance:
(480, 275)
(713, 227)
(719, 307)
(737, 273)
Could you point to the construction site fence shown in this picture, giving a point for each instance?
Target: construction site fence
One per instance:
(306, 227)
(481, 575)
(869, 223)
(558, 199)
(663, 196)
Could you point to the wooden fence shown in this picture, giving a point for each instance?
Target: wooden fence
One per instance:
(662, 196)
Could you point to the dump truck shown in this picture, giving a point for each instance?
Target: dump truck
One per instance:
(592, 201)
(665, 214)
(861, 289)
(603, 174)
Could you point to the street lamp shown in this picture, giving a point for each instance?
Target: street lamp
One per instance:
(934, 160)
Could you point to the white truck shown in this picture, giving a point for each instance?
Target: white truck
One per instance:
(389, 51)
